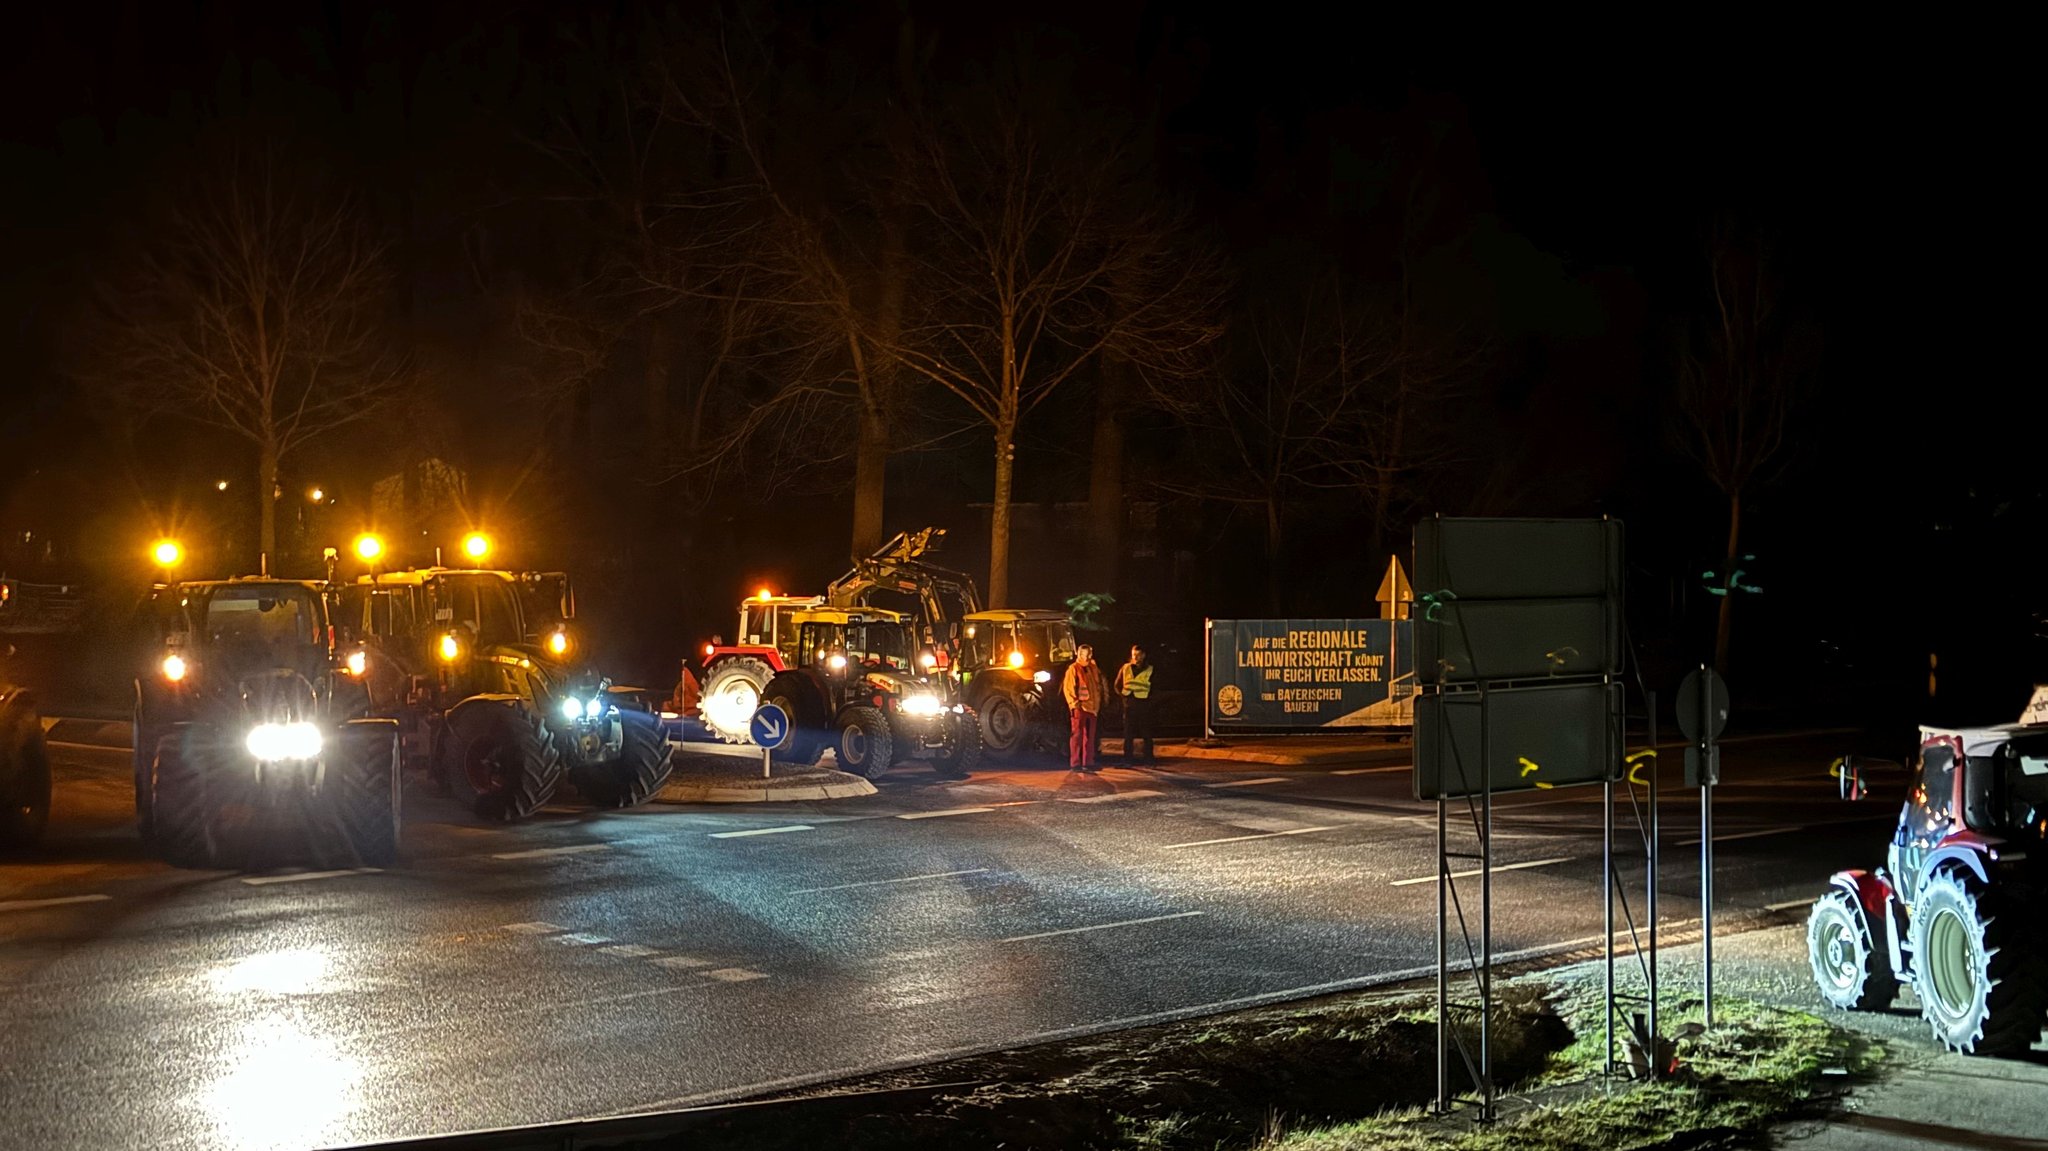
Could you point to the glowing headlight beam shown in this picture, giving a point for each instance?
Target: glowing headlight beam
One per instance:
(450, 647)
(922, 704)
(356, 662)
(276, 742)
(572, 708)
(369, 547)
(593, 709)
(167, 553)
(174, 667)
(558, 642)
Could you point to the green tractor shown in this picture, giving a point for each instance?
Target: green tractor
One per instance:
(861, 685)
(492, 691)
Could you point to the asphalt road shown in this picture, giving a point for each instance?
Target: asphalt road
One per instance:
(587, 965)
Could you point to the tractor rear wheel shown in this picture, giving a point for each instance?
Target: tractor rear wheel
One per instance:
(184, 788)
(961, 760)
(24, 779)
(499, 760)
(731, 695)
(866, 745)
(1980, 973)
(1851, 972)
(362, 779)
(641, 768)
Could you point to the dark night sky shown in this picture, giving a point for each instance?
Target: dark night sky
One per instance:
(1886, 162)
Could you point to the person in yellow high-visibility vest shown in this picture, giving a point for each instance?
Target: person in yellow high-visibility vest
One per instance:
(1134, 685)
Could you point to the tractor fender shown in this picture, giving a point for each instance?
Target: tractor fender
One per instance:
(1965, 855)
(484, 699)
(1873, 893)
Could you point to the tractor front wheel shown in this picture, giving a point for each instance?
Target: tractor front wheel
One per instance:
(866, 745)
(185, 795)
(964, 756)
(1980, 974)
(641, 768)
(363, 779)
(1852, 974)
(499, 760)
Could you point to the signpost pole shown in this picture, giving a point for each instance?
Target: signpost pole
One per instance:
(1708, 773)
(1208, 682)
(1650, 1040)
(767, 760)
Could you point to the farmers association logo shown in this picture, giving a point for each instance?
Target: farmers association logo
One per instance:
(1230, 701)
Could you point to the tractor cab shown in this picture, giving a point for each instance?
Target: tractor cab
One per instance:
(1026, 642)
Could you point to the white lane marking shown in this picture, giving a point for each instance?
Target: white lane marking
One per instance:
(1114, 795)
(1375, 770)
(303, 876)
(1249, 782)
(1470, 874)
(685, 962)
(542, 852)
(1102, 926)
(629, 950)
(59, 901)
(1243, 838)
(537, 927)
(1694, 842)
(734, 975)
(582, 939)
(762, 831)
(943, 814)
(1789, 904)
(880, 882)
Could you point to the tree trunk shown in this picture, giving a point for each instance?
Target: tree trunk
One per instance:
(266, 495)
(999, 519)
(1725, 620)
(870, 480)
(1276, 567)
(1106, 480)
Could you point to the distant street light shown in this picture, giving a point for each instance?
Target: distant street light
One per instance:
(220, 485)
(316, 495)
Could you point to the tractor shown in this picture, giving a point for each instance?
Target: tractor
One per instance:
(1955, 913)
(1010, 664)
(491, 688)
(24, 767)
(735, 673)
(251, 733)
(862, 686)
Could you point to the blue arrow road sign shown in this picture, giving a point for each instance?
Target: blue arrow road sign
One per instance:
(770, 726)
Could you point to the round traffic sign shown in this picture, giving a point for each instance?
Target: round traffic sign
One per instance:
(770, 726)
(1703, 696)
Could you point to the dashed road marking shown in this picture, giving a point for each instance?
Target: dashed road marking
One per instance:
(1789, 904)
(542, 852)
(630, 950)
(1470, 874)
(1243, 838)
(59, 901)
(1758, 834)
(943, 814)
(304, 876)
(681, 962)
(1375, 770)
(1102, 926)
(1114, 795)
(880, 882)
(734, 974)
(1248, 782)
(762, 831)
(537, 927)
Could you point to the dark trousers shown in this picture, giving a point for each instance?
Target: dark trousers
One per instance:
(1081, 750)
(1137, 726)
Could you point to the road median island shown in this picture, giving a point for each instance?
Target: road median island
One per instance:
(702, 777)
(1344, 1073)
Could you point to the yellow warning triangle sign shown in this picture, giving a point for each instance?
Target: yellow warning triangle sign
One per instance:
(1395, 592)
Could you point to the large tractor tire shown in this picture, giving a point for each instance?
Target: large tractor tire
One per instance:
(186, 795)
(24, 778)
(1851, 970)
(866, 745)
(499, 760)
(645, 757)
(1978, 965)
(142, 740)
(1003, 728)
(808, 720)
(362, 786)
(965, 755)
(731, 693)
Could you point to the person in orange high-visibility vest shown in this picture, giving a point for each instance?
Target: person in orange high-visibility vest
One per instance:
(1084, 690)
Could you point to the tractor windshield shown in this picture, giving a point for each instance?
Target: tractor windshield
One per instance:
(257, 626)
(485, 603)
(878, 647)
(2024, 781)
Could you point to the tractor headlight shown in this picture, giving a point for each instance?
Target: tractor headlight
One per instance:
(1041, 676)
(836, 662)
(356, 662)
(558, 642)
(572, 709)
(923, 703)
(594, 708)
(174, 667)
(272, 742)
(1016, 659)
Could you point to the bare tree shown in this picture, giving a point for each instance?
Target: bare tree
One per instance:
(1036, 259)
(254, 306)
(1740, 372)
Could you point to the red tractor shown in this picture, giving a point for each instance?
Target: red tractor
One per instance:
(1955, 913)
(735, 673)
